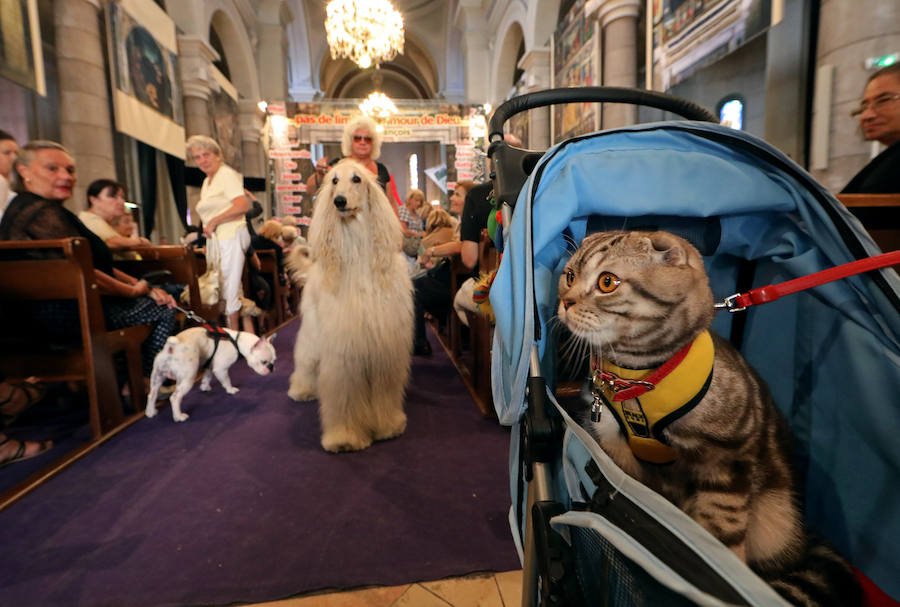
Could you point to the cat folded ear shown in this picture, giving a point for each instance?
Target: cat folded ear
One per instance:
(673, 253)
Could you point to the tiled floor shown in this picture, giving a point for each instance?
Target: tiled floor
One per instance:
(476, 590)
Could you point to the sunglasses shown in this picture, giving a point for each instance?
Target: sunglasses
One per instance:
(365, 138)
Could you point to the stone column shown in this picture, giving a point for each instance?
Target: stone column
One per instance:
(849, 33)
(272, 50)
(251, 126)
(470, 19)
(196, 56)
(618, 21)
(536, 64)
(84, 120)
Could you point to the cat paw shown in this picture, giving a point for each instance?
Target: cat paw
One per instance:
(336, 441)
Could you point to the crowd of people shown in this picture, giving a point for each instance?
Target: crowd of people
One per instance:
(37, 178)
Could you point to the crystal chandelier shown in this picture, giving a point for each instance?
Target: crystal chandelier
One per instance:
(365, 31)
(378, 106)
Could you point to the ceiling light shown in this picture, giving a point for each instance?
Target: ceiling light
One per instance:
(367, 32)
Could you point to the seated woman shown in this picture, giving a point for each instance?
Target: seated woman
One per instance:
(44, 178)
(106, 207)
(432, 289)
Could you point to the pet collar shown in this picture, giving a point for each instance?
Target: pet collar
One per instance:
(645, 401)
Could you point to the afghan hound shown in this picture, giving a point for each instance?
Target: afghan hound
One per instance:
(355, 341)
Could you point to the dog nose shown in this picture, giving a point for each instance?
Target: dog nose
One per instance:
(270, 366)
(340, 201)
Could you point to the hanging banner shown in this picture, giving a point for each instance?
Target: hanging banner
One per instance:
(21, 57)
(438, 175)
(691, 34)
(144, 58)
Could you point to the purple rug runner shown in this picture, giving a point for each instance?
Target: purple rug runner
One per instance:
(241, 504)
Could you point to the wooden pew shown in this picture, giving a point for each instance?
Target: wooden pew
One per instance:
(880, 215)
(268, 263)
(89, 360)
(186, 267)
(481, 333)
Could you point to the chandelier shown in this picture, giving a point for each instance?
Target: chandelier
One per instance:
(365, 31)
(378, 106)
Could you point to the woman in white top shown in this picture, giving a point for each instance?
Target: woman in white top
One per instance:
(222, 207)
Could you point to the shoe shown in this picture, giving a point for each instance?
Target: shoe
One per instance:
(422, 349)
(21, 396)
(21, 452)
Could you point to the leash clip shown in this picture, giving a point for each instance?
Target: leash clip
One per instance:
(728, 304)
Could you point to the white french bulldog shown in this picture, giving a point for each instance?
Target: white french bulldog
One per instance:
(184, 354)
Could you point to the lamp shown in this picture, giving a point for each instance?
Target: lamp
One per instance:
(378, 106)
(365, 31)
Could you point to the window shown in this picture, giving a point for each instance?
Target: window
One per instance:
(413, 171)
(731, 112)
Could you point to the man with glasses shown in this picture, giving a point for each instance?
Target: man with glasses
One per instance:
(879, 118)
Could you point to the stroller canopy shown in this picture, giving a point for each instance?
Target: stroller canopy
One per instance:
(831, 355)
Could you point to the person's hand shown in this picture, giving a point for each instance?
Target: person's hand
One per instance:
(141, 287)
(161, 298)
(145, 242)
(210, 228)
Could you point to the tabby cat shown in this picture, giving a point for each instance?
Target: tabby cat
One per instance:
(708, 436)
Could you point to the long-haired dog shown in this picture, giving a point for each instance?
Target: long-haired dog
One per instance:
(354, 346)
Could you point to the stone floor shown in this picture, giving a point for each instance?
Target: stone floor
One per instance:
(476, 590)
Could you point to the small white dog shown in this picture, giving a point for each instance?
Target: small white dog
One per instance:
(215, 351)
(355, 341)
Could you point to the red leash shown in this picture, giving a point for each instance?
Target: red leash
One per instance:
(761, 295)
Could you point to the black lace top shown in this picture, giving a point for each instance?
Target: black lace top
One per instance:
(30, 217)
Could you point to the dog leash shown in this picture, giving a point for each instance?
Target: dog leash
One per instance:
(193, 316)
(761, 295)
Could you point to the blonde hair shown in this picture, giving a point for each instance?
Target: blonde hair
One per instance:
(270, 229)
(289, 220)
(361, 122)
(289, 234)
(25, 156)
(417, 194)
(204, 143)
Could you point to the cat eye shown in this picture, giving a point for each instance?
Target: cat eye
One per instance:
(570, 278)
(356, 179)
(608, 282)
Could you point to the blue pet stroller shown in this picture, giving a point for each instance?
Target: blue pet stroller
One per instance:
(587, 533)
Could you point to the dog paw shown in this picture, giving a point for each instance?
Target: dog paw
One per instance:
(150, 411)
(232, 390)
(205, 387)
(180, 417)
(300, 395)
(397, 428)
(336, 441)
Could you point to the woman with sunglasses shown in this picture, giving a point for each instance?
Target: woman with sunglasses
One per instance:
(361, 142)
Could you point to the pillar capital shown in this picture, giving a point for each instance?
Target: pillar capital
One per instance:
(607, 11)
(196, 57)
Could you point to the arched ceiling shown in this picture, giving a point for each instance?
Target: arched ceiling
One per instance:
(412, 75)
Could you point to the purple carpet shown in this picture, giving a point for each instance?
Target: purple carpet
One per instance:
(241, 504)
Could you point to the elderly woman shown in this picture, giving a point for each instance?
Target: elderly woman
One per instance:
(44, 177)
(222, 207)
(432, 290)
(361, 142)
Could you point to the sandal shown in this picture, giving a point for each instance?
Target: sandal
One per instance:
(31, 389)
(21, 452)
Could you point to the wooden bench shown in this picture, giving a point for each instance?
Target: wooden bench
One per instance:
(880, 215)
(268, 268)
(186, 267)
(481, 335)
(88, 360)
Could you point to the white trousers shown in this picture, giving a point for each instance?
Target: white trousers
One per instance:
(228, 255)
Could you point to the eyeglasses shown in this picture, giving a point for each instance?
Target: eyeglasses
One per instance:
(875, 103)
(365, 138)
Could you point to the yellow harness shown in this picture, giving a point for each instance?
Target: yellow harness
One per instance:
(645, 401)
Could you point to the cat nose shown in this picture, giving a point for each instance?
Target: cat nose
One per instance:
(567, 302)
(340, 201)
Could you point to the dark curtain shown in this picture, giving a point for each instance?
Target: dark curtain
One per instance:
(147, 175)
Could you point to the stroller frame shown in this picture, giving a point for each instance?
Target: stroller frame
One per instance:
(547, 434)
